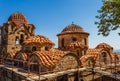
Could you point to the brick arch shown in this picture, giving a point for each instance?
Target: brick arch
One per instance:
(103, 58)
(68, 61)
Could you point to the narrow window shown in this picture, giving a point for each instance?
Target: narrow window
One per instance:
(46, 48)
(85, 41)
(74, 39)
(62, 42)
(21, 38)
(17, 40)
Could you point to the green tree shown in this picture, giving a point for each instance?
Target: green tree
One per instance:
(108, 17)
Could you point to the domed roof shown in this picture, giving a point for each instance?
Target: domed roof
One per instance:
(41, 40)
(104, 45)
(72, 28)
(17, 18)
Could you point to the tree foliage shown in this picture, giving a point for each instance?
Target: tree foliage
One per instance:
(109, 17)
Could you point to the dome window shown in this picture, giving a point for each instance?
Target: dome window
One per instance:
(62, 42)
(21, 38)
(46, 48)
(74, 39)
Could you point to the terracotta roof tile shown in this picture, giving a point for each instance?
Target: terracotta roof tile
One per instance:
(18, 19)
(49, 58)
(93, 51)
(72, 28)
(22, 54)
(104, 45)
(11, 54)
(41, 40)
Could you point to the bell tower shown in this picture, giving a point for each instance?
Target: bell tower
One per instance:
(14, 32)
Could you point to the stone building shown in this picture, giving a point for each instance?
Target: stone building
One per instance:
(14, 32)
(21, 48)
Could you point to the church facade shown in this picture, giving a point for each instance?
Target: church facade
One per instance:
(21, 48)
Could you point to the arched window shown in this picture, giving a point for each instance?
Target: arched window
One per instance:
(62, 42)
(104, 57)
(74, 39)
(85, 41)
(21, 38)
(17, 40)
(34, 48)
(46, 48)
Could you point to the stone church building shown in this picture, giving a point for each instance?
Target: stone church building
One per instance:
(21, 48)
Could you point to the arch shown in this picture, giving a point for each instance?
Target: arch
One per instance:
(35, 59)
(68, 61)
(104, 58)
(20, 59)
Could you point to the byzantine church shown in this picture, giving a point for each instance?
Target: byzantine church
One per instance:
(19, 43)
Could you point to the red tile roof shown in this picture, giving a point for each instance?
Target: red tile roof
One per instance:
(40, 40)
(22, 54)
(104, 45)
(49, 58)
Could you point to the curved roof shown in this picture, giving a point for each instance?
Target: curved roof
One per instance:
(72, 28)
(11, 54)
(104, 45)
(17, 18)
(39, 39)
(94, 52)
(49, 58)
(21, 54)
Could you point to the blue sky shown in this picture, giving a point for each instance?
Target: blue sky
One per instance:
(51, 16)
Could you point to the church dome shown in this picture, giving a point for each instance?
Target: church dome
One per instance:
(72, 28)
(17, 18)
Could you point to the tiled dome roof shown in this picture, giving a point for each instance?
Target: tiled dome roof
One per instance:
(41, 40)
(18, 18)
(72, 28)
(103, 45)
